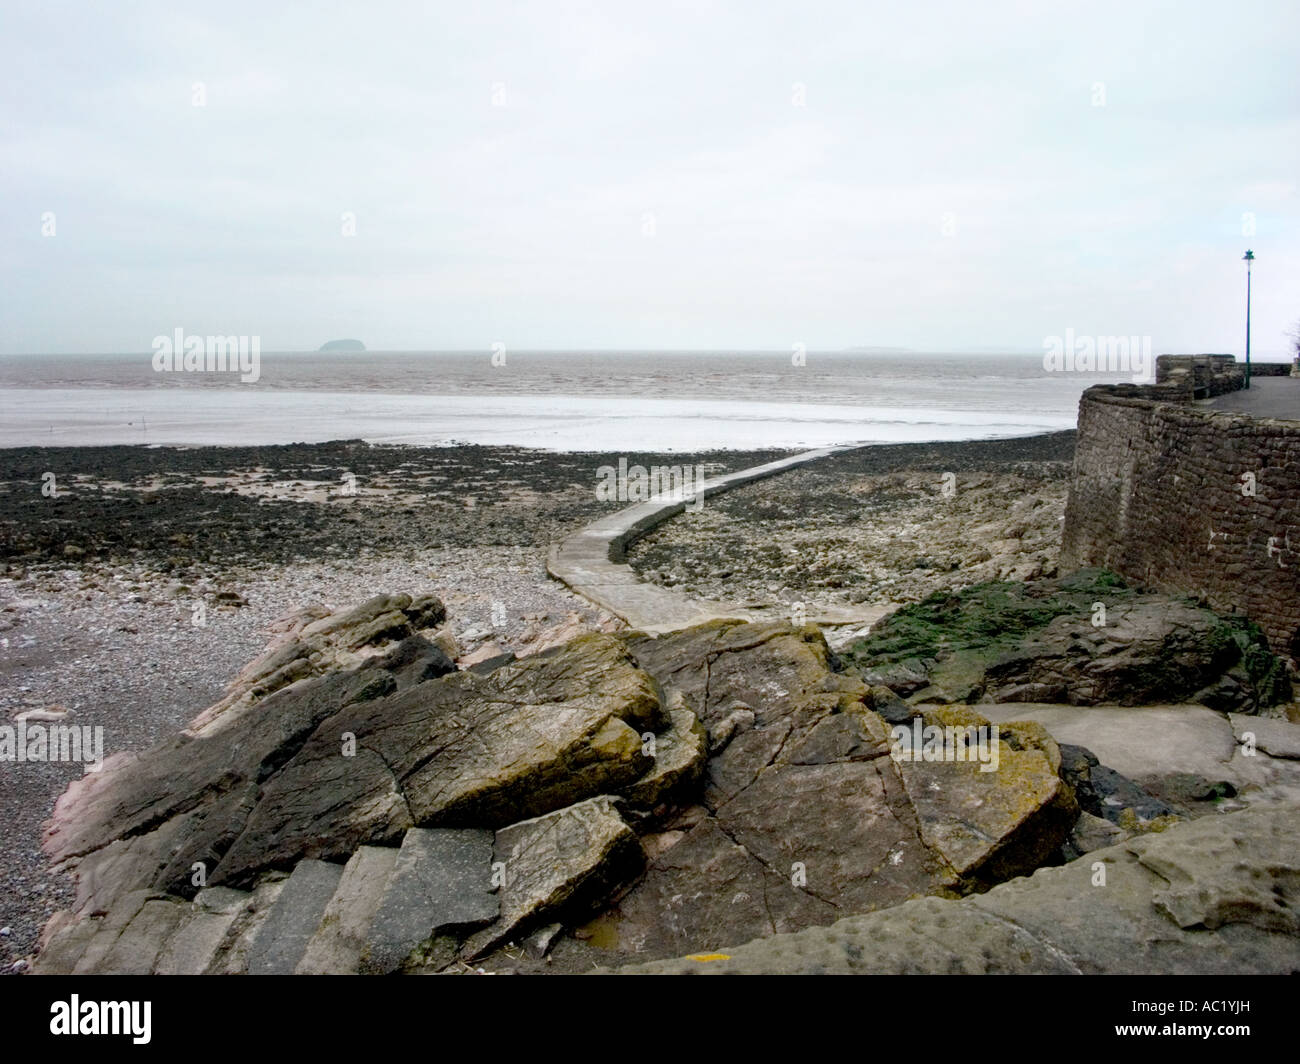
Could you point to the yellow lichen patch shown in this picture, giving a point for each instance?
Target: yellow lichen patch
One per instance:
(954, 716)
(1130, 821)
(704, 958)
(1030, 735)
(1012, 816)
(870, 724)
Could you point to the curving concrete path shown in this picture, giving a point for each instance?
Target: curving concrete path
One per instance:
(593, 561)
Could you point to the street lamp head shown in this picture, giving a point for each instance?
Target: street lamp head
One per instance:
(1249, 256)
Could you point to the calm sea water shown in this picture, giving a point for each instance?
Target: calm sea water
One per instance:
(557, 400)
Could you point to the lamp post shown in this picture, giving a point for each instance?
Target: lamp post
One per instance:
(1248, 258)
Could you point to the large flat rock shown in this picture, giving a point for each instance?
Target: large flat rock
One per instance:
(808, 816)
(183, 774)
(1209, 896)
(282, 939)
(463, 750)
(1149, 743)
(780, 675)
(339, 941)
(560, 866)
(441, 882)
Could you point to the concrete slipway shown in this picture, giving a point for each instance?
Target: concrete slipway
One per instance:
(593, 561)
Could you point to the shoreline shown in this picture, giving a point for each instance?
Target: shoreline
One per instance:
(559, 423)
(256, 533)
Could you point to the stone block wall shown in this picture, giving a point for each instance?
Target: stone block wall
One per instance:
(1202, 375)
(1270, 369)
(1183, 499)
(1205, 376)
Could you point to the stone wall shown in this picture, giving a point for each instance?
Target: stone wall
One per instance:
(1202, 375)
(1180, 498)
(1205, 376)
(1270, 369)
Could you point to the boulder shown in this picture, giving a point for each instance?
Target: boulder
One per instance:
(991, 826)
(807, 815)
(133, 795)
(313, 645)
(1147, 652)
(888, 706)
(1093, 833)
(680, 754)
(414, 660)
(463, 750)
(562, 866)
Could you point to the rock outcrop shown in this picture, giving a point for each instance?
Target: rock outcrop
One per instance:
(335, 762)
(805, 814)
(383, 815)
(1085, 639)
(1210, 896)
(1156, 760)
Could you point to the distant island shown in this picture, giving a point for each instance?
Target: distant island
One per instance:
(343, 345)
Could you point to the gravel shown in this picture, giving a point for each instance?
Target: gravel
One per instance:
(872, 527)
(101, 585)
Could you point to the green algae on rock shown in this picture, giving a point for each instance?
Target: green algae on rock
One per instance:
(1084, 639)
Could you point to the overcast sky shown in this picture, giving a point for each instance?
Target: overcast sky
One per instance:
(642, 175)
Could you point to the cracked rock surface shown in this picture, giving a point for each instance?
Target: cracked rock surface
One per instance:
(1208, 896)
(375, 812)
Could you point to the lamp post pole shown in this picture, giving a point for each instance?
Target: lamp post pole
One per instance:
(1248, 258)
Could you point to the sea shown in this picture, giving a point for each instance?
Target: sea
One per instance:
(678, 401)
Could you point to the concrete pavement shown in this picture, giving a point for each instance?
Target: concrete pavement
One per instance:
(1275, 397)
(593, 561)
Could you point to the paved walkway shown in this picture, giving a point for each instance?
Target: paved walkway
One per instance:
(1277, 397)
(593, 561)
